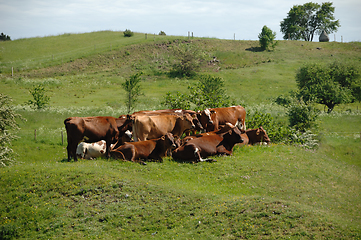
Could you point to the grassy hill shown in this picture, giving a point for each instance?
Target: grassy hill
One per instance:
(278, 191)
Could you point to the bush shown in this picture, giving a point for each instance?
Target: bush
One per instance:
(302, 116)
(188, 60)
(162, 33)
(266, 38)
(128, 33)
(207, 93)
(40, 99)
(7, 122)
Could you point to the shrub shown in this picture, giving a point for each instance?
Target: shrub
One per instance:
(188, 60)
(132, 87)
(162, 33)
(266, 38)
(40, 99)
(207, 93)
(128, 33)
(302, 116)
(7, 122)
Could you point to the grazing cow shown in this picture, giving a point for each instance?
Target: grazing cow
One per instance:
(212, 118)
(90, 129)
(149, 149)
(154, 126)
(255, 136)
(208, 145)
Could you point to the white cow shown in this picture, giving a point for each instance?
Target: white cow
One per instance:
(96, 149)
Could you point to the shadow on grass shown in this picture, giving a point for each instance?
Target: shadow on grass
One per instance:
(255, 49)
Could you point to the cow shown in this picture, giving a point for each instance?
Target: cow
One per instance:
(94, 129)
(178, 111)
(195, 150)
(212, 118)
(98, 149)
(255, 136)
(149, 149)
(147, 127)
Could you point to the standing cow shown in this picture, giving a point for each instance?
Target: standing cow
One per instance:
(90, 129)
(212, 118)
(154, 126)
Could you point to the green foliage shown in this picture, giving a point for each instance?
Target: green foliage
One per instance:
(162, 33)
(128, 33)
(40, 99)
(302, 116)
(177, 100)
(303, 21)
(7, 126)
(329, 85)
(4, 37)
(266, 38)
(132, 87)
(188, 59)
(208, 92)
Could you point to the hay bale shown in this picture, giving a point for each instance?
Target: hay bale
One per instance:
(324, 37)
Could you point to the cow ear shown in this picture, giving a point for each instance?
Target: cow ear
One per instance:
(163, 138)
(258, 131)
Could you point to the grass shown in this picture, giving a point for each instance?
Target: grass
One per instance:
(273, 192)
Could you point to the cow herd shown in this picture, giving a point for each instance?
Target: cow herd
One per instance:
(186, 135)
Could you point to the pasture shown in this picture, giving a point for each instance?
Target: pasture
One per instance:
(261, 192)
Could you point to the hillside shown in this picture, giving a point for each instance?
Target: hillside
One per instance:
(261, 192)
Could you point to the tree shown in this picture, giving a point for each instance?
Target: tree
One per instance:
(40, 99)
(4, 37)
(132, 87)
(7, 122)
(303, 21)
(128, 33)
(329, 85)
(266, 38)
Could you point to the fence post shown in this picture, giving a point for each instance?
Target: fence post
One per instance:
(188, 35)
(12, 71)
(35, 135)
(62, 138)
(146, 36)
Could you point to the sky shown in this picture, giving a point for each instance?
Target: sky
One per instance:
(223, 19)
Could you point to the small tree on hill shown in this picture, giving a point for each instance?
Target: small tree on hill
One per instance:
(128, 33)
(4, 37)
(40, 99)
(329, 85)
(132, 87)
(266, 38)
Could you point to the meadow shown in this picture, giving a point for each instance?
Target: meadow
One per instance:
(260, 192)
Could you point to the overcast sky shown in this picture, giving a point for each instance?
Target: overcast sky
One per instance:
(205, 18)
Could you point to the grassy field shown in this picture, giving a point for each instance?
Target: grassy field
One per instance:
(274, 192)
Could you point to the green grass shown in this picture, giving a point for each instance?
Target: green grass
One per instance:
(273, 192)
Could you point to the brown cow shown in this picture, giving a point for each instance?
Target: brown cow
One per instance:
(212, 118)
(208, 145)
(149, 149)
(255, 136)
(154, 126)
(90, 129)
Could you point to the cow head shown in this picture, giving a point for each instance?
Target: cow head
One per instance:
(169, 141)
(206, 118)
(235, 135)
(262, 135)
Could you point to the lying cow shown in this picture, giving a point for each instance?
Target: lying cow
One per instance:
(212, 118)
(255, 136)
(149, 149)
(98, 149)
(147, 127)
(197, 149)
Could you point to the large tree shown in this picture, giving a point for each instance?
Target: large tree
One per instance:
(329, 85)
(304, 21)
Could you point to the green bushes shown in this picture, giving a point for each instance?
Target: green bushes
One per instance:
(128, 33)
(266, 38)
(40, 99)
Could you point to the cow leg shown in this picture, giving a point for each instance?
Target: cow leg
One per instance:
(199, 157)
